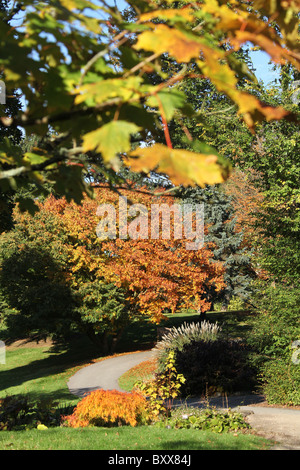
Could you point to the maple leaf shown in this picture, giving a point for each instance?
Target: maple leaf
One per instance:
(182, 166)
(111, 139)
(163, 39)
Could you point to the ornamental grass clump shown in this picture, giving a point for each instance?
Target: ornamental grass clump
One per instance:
(109, 408)
(177, 338)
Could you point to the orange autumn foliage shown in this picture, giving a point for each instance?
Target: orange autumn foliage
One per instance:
(109, 408)
(157, 274)
(247, 199)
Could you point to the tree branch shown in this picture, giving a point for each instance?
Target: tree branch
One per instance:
(64, 154)
(49, 119)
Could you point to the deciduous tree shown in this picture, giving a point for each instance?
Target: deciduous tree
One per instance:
(59, 275)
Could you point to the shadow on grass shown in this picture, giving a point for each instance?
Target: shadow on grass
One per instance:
(138, 336)
(215, 444)
(142, 334)
(55, 361)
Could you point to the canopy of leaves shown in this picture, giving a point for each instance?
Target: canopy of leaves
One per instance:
(84, 73)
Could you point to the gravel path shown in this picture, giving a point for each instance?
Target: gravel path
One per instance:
(279, 424)
(282, 425)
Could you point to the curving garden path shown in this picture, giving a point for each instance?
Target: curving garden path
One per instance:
(279, 424)
(105, 374)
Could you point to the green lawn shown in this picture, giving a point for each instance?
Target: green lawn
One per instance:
(127, 438)
(42, 372)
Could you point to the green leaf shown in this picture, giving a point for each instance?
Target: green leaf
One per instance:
(169, 100)
(102, 90)
(111, 139)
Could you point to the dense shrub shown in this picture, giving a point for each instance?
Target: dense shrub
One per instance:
(109, 408)
(280, 380)
(218, 366)
(178, 337)
(277, 324)
(17, 413)
(274, 330)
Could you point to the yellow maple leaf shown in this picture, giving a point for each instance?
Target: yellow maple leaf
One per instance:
(163, 39)
(182, 166)
(186, 14)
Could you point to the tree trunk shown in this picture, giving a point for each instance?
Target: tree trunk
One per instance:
(202, 315)
(104, 342)
(115, 340)
(99, 340)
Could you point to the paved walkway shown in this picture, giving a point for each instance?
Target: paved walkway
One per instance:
(105, 374)
(279, 424)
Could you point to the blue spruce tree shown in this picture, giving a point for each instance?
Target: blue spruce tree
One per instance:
(229, 248)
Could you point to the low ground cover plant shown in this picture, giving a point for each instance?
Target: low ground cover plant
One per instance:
(208, 419)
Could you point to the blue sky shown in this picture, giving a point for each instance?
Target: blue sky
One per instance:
(263, 70)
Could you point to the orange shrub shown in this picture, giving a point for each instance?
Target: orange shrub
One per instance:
(109, 408)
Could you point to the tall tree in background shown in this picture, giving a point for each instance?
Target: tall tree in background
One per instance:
(11, 108)
(228, 242)
(57, 275)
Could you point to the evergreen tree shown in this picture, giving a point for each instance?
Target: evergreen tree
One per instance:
(229, 248)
